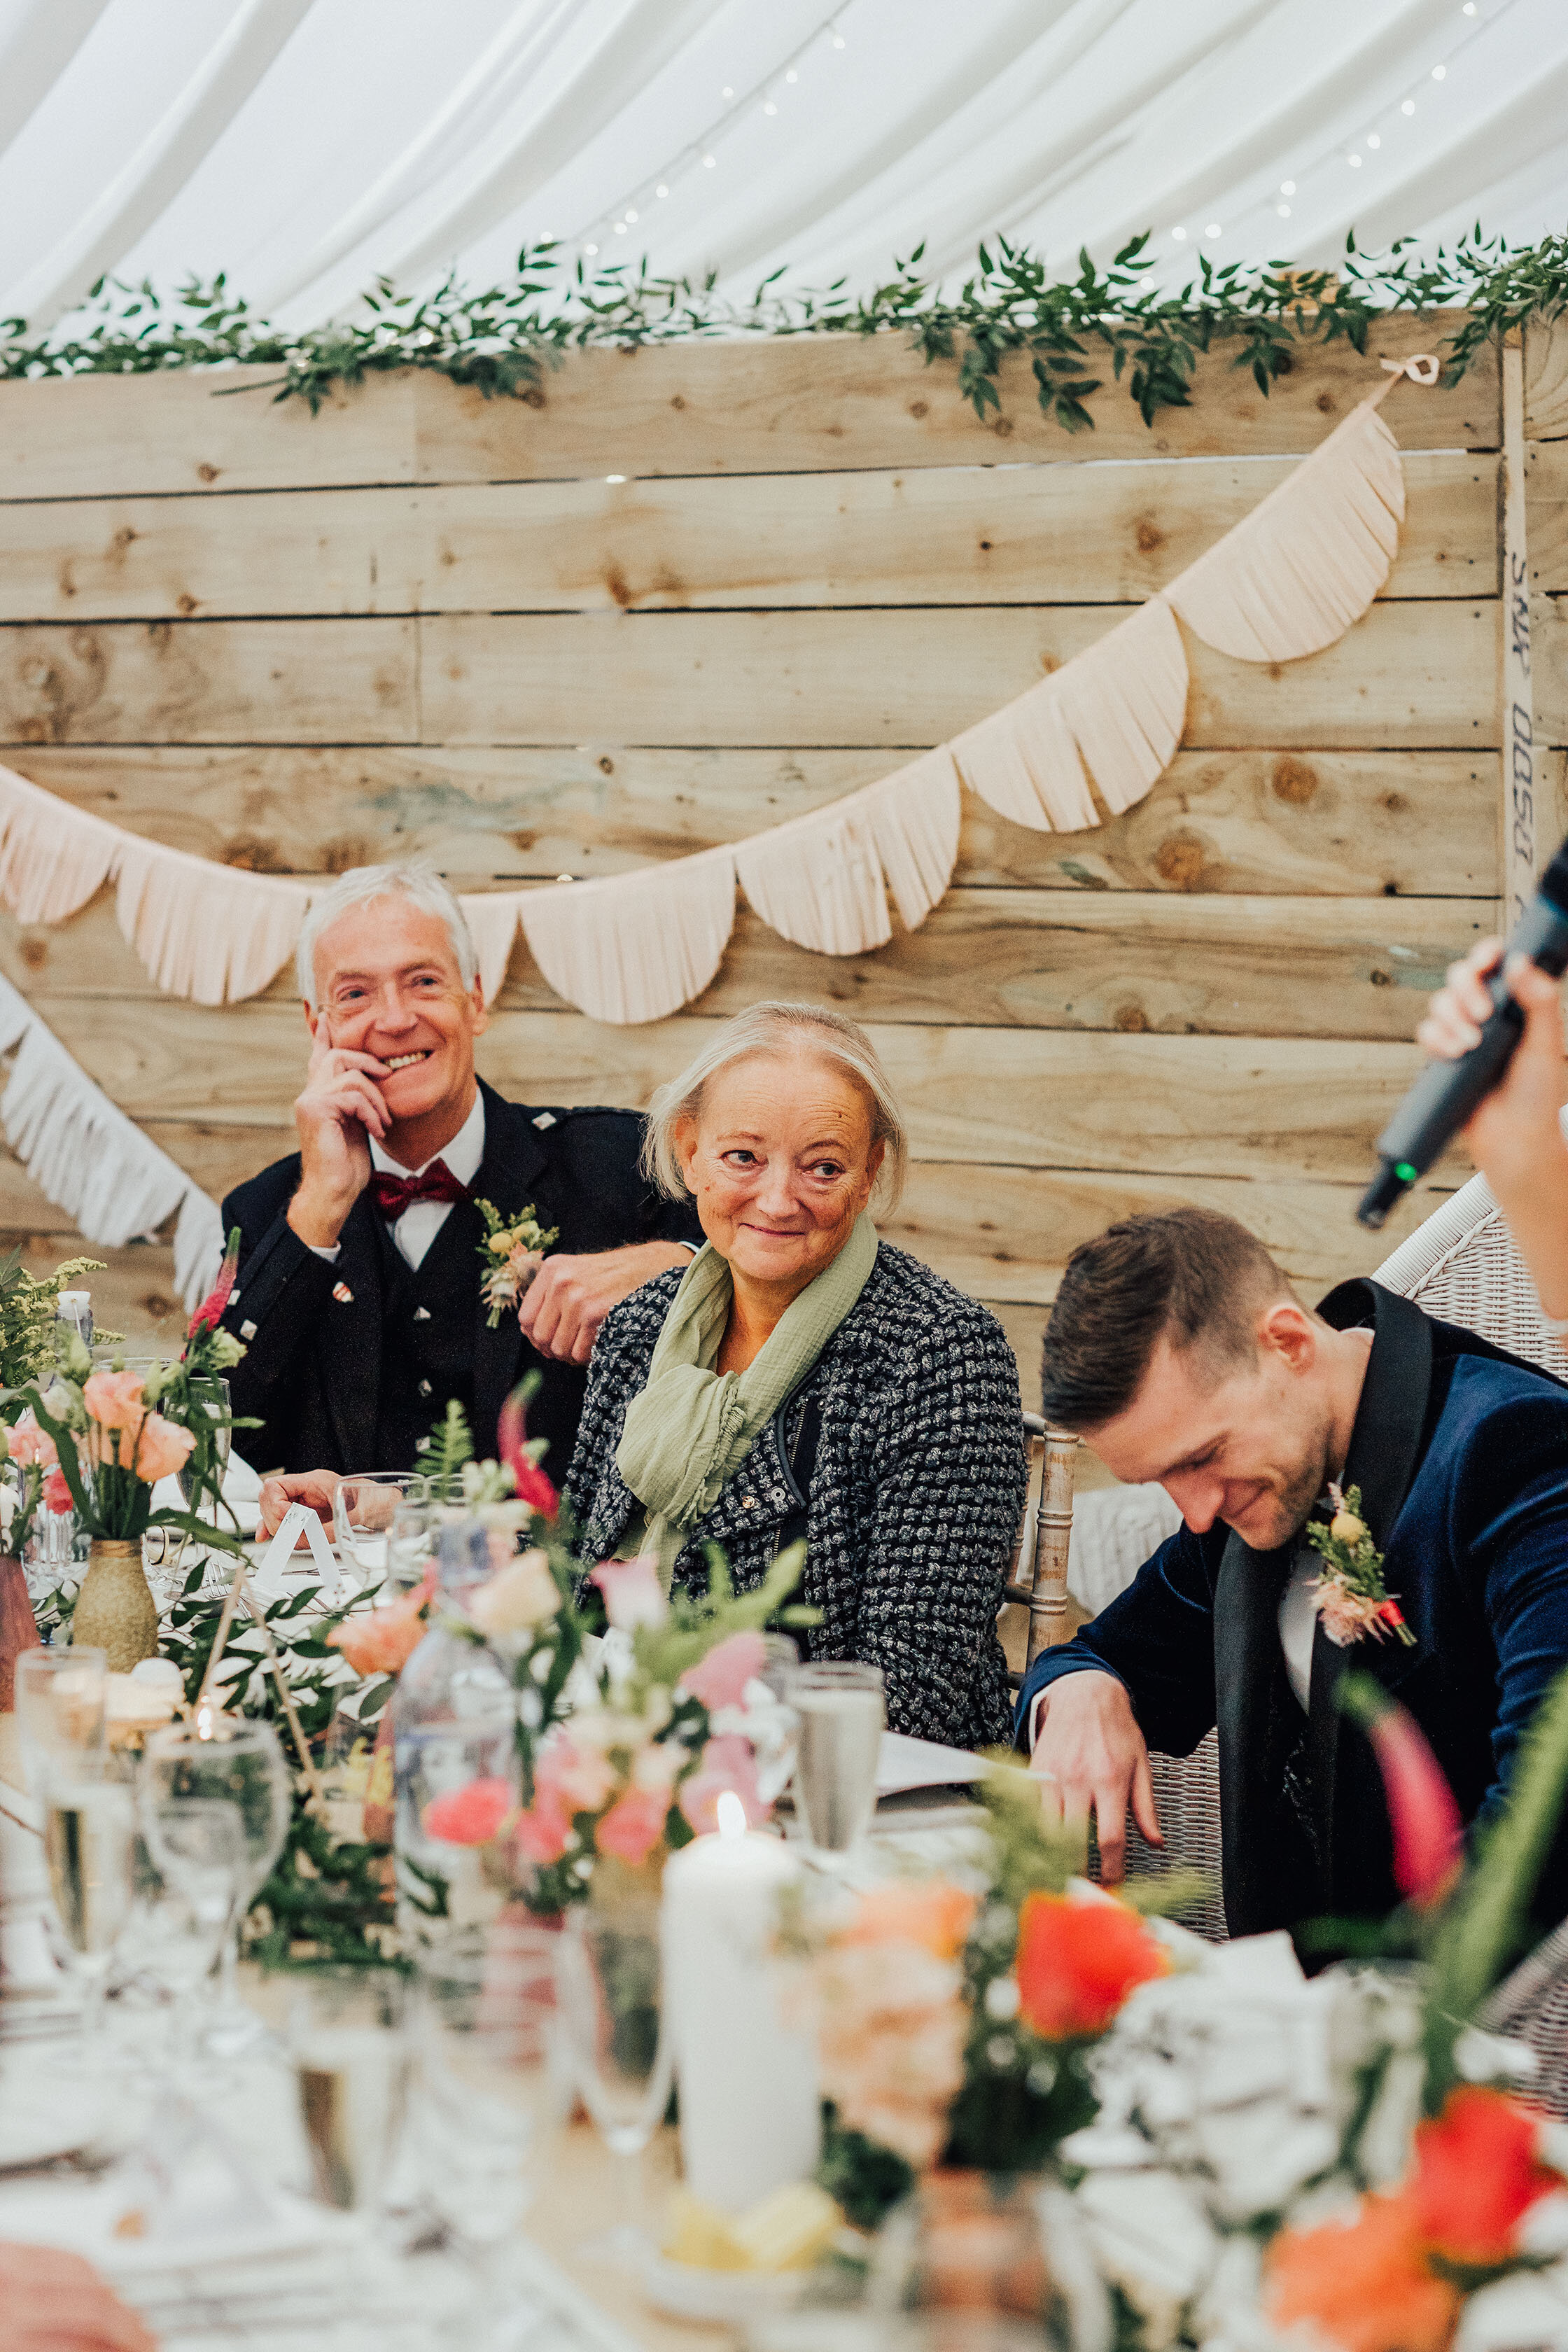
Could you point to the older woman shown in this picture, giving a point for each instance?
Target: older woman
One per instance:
(801, 1378)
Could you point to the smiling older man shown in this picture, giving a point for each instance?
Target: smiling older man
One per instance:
(1179, 1349)
(359, 1279)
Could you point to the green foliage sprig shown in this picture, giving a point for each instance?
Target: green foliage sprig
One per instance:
(1077, 330)
(27, 1304)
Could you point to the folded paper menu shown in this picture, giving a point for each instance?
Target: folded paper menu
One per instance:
(906, 1763)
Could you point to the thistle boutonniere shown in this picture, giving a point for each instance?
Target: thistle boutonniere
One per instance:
(511, 1254)
(1350, 1596)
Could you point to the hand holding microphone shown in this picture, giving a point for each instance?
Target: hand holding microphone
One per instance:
(1475, 1027)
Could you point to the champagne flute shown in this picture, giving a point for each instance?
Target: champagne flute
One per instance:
(89, 1826)
(238, 1760)
(842, 1712)
(351, 2063)
(610, 1979)
(60, 1698)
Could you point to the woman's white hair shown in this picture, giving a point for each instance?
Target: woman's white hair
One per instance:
(420, 884)
(775, 1028)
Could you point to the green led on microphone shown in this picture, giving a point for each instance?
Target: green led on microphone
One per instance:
(1406, 1173)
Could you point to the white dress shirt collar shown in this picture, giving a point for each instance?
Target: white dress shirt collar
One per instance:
(464, 1155)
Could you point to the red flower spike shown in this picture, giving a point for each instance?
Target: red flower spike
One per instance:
(529, 1481)
(1428, 1835)
(1477, 2174)
(209, 1314)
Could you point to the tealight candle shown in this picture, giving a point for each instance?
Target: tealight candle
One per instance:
(750, 2107)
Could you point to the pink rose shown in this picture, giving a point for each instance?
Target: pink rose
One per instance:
(384, 1640)
(57, 1495)
(29, 1443)
(543, 1828)
(161, 1448)
(727, 1763)
(633, 1594)
(633, 1826)
(719, 1679)
(114, 1400)
(581, 1777)
(470, 1816)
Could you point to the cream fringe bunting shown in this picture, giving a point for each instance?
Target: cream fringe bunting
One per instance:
(90, 1160)
(1085, 743)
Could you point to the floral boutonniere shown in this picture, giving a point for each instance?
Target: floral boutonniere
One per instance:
(1350, 1596)
(511, 1254)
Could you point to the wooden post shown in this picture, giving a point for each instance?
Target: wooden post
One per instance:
(1048, 1593)
(1521, 767)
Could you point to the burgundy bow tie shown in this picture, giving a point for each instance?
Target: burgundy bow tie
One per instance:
(393, 1194)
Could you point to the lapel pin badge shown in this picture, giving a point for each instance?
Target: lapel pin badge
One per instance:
(545, 1119)
(343, 1294)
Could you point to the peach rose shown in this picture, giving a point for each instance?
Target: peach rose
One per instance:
(114, 1400)
(633, 1826)
(927, 1912)
(382, 1642)
(581, 1777)
(543, 1829)
(29, 1443)
(161, 1449)
(521, 1594)
(470, 1815)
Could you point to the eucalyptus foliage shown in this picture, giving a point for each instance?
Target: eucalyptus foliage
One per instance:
(1078, 330)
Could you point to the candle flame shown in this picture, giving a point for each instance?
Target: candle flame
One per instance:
(206, 1721)
(732, 1815)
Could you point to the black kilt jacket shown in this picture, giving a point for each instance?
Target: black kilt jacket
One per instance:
(915, 1496)
(347, 1364)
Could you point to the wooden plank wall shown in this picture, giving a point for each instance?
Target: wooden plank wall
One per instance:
(685, 594)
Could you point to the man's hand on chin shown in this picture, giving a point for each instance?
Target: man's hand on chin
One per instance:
(569, 1297)
(1091, 1757)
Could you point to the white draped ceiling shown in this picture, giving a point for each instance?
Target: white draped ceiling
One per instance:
(307, 145)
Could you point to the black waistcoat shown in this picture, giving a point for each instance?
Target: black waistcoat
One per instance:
(426, 1334)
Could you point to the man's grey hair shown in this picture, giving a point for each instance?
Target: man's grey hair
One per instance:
(420, 884)
(779, 1028)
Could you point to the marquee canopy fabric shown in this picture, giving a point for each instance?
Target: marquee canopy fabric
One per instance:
(306, 146)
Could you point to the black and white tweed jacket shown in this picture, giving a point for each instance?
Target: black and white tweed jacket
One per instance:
(915, 1496)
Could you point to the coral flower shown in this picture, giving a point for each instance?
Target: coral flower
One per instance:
(1477, 2174)
(1079, 1961)
(543, 1829)
(930, 1913)
(382, 1642)
(634, 1825)
(115, 1400)
(719, 1679)
(1365, 2284)
(470, 1816)
(161, 1447)
(581, 1777)
(29, 1442)
(57, 1495)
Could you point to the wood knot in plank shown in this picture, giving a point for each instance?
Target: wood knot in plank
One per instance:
(1295, 781)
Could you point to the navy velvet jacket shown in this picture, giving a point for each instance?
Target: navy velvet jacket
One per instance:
(1461, 1455)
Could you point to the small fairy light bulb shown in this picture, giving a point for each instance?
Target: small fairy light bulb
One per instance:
(1439, 73)
(1283, 211)
(1354, 162)
(590, 248)
(1178, 234)
(708, 162)
(1214, 229)
(631, 213)
(731, 1816)
(1286, 187)
(1408, 106)
(792, 74)
(1372, 140)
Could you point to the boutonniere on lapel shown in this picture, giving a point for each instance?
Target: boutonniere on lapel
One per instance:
(1350, 1596)
(511, 1254)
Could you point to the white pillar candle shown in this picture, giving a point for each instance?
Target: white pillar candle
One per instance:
(751, 2117)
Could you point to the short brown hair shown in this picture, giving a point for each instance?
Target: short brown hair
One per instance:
(1189, 1273)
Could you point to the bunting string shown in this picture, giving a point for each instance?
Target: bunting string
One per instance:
(1089, 742)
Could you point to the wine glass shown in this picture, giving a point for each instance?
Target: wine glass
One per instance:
(491, 2084)
(610, 1976)
(186, 1897)
(89, 1828)
(365, 1511)
(60, 1697)
(237, 1759)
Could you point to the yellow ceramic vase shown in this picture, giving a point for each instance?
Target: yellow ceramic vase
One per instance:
(115, 1610)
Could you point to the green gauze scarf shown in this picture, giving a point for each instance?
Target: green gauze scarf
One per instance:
(691, 1427)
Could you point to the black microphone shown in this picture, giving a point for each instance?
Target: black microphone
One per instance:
(1445, 1093)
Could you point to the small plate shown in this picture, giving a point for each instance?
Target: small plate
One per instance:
(735, 2296)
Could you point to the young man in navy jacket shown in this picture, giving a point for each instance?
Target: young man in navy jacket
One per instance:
(1178, 1349)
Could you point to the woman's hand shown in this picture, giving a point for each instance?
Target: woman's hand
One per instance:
(1515, 1135)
